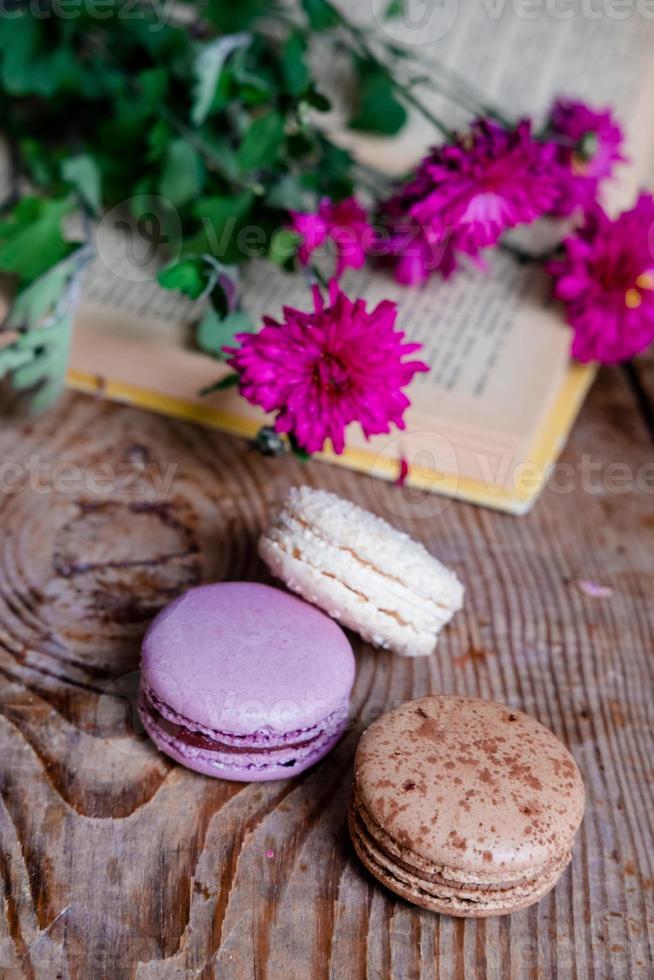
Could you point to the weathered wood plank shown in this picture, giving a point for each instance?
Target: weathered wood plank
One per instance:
(116, 863)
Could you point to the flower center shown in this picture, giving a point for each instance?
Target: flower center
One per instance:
(633, 296)
(330, 374)
(584, 152)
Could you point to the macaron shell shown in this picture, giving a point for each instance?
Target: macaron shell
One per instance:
(239, 657)
(350, 608)
(471, 786)
(375, 542)
(444, 899)
(361, 570)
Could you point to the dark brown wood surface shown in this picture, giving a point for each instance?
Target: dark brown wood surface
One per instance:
(116, 863)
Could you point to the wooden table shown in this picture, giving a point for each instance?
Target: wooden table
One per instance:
(116, 863)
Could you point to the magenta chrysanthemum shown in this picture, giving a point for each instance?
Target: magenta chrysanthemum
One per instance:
(465, 195)
(606, 280)
(345, 223)
(322, 370)
(589, 146)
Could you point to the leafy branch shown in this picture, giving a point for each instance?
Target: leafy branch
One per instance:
(213, 110)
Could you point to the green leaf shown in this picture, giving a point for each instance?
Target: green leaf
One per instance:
(31, 64)
(393, 9)
(222, 218)
(262, 142)
(190, 276)
(229, 381)
(322, 15)
(182, 175)
(219, 209)
(296, 74)
(19, 43)
(332, 177)
(158, 138)
(83, 174)
(290, 194)
(31, 305)
(38, 164)
(235, 15)
(317, 100)
(208, 65)
(297, 449)
(42, 313)
(31, 238)
(283, 246)
(153, 86)
(223, 151)
(378, 109)
(215, 332)
(254, 78)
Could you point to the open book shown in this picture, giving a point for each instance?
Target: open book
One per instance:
(488, 421)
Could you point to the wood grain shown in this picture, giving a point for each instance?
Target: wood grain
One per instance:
(116, 863)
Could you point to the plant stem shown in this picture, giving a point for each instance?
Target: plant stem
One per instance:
(413, 100)
(359, 38)
(524, 257)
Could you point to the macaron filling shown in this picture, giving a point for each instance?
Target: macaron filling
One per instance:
(258, 750)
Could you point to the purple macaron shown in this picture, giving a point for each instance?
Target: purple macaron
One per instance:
(243, 681)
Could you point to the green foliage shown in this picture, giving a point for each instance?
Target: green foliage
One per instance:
(190, 277)
(322, 14)
(394, 9)
(83, 175)
(294, 67)
(378, 108)
(214, 112)
(42, 319)
(229, 381)
(201, 277)
(31, 238)
(182, 176)
(283, 247)
(207, 68)
(262, 142)
(235, 15)
(216, 332)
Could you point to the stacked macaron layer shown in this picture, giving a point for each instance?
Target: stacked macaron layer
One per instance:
(246, 682)
(464, 806)
(361, 570)
(254, 753)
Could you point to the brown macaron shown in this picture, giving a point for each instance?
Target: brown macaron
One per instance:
(464, 806)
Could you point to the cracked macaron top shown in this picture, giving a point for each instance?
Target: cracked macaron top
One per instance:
(474, 787)
(243, 658)
(361, 570)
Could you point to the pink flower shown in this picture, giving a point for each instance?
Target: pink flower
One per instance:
(589, 144)
(465, 195)
(345, 223)
(322, 370)
(606, 280)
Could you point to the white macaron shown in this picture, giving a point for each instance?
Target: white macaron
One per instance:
(361, 571)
